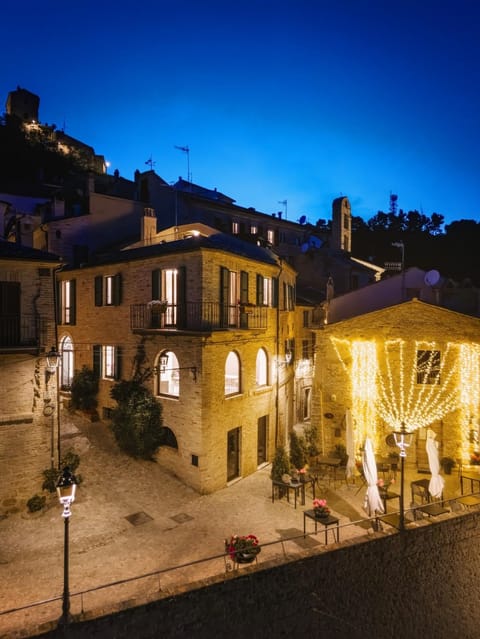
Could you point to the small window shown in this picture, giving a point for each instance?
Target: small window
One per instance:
(232, 374)
(428, 367)
(261, 377)
(307, 393)
(108, 290)
(109, 362)
(235, 228)
(67, 301)
(306, 318)
(253, 229)
(271, 236)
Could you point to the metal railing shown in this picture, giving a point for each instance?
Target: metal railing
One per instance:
(124, 593)
(197, 316)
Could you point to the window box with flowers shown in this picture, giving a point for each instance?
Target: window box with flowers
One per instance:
(320, 508)
(242, 549)
(475, 458)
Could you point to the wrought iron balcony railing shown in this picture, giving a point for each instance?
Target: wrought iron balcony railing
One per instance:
(22, 331)
(197, 316)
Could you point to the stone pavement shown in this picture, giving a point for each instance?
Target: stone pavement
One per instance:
(132, 518)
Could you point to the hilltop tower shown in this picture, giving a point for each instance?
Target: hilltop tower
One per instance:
(341, 224)
(23, 104)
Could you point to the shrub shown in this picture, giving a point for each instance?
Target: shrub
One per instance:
(137, 420)
(36, 503)
(280, 464)
(297, 451)
(311, 440)
(84, 389)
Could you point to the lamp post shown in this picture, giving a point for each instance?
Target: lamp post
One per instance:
(403, 439)
(66, 487)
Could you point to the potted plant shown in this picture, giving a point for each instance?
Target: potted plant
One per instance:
(297, 451)
(447, 463)
(320, 508)
(280, 464)
(243, 549)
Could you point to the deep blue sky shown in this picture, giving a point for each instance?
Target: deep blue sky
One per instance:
(297, 100)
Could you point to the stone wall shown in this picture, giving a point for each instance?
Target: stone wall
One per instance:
(422, 583)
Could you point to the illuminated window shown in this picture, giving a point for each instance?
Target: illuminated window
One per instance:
(66, 363)
(261, 377)
(264, 291)
(168, 376)
(232, 374)
(235, 228)
(253, 229)
(428, 367)
(108, 290)
(109, 362)
(67, 301)
(270, 236)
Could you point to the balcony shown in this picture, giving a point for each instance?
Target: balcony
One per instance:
(197, 316)
(21, 331)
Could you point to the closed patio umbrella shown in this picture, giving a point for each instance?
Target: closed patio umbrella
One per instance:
(350, 444)
(373, 503)
(435, 487)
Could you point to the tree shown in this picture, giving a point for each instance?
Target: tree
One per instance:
(297, 451)
(137, 421)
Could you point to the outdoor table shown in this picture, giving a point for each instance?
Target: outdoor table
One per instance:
(325, 521)
(392, 520)
(332, 463)
(470, 501)
(433, 509)
(298, 488)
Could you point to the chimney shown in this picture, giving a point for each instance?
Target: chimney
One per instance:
(148, 228)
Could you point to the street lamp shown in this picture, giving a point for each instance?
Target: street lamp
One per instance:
(403, 440)
(66, 487)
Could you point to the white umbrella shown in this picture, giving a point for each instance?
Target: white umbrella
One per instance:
(435, 487)
(350, 444)
(373, 503)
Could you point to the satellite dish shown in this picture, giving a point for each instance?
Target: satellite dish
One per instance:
(390, 440)
(302, 220)
(431, 278)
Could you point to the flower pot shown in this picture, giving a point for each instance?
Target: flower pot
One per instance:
(245, 557)
(321, 515)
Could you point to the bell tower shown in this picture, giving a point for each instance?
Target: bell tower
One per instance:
(341, 225)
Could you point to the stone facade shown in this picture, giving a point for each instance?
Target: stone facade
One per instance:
(397, 334)
(203, 419)
(28, 394)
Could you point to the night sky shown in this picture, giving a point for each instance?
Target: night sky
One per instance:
(297, 100)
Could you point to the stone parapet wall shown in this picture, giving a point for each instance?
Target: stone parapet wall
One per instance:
(422, 583)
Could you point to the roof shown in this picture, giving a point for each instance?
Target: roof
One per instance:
(13, 251)
(218, 241)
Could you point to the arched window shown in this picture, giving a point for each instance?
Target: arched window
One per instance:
(232, 374)
(169, 438)
(168, 375)
(66, 363)
(261, 374)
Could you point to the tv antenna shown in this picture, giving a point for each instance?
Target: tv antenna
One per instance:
(284, 202)
(393, 203)
(150, 163)
(186, 150)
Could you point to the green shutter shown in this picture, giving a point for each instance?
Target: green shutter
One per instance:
(98, 290)
(181, 300)
(243, 287)
(73, 302)
(157, 284)
(97, 360)
(117, 289)
(118, 362)
(259, 290)
(275, 292)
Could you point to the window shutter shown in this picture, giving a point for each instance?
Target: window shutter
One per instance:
(73, 302)
(118, 363)
(97, 360)
(98, 290)
(275, 292)
(157, 284)
(259, 290)
(117, 289)
(181, 300)
(58, 306)
(243, 287)
(224, 288)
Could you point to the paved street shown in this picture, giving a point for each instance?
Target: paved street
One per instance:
(132, 518)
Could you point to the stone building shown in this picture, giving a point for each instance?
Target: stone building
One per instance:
(28, 390)
(414, 363)
(214, 318)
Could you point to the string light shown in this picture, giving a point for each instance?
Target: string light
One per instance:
(415, 383)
